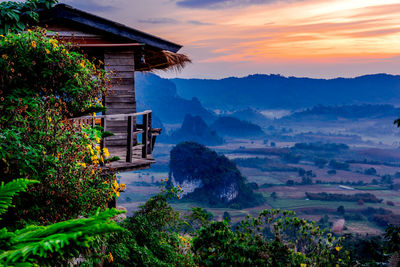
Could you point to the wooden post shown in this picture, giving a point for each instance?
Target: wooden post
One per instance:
(103, 140)
(145, 135)
(149, 134)
(129, 140)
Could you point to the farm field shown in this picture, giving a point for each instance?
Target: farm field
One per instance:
(268, 168)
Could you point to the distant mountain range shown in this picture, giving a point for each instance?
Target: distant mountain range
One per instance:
(351, 112)
(279, 92)
(159, 95)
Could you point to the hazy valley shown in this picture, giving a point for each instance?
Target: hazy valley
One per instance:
(305, 152)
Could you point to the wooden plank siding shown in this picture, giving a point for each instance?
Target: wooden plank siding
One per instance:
(121, 100)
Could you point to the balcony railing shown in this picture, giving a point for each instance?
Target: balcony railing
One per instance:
(133, 129)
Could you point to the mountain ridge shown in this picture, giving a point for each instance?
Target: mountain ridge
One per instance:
(271, 91)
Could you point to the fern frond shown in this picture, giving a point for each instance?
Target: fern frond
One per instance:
(9, 190)
(62, 239)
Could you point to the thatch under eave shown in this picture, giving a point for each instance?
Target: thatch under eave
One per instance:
(162, 60)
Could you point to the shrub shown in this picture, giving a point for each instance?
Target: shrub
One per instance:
(338, 165)
(370, 171)
(43, 83)
(320, 162)
(49, 245)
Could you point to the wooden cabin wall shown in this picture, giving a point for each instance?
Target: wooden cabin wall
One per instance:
(121, 98)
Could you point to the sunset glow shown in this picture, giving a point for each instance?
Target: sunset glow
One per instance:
(337, 35)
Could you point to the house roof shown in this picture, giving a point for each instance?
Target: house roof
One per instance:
(67, 14)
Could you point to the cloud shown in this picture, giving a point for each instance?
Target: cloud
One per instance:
(209, 4)
(91, 5)
(159, 21)
(199, 23)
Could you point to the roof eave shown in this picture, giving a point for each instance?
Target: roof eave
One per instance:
(66, 12)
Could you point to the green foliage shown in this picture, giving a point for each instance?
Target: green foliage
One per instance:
(293, 242)
(320, 162)
(11, 189)
(68, 81)
(14, 16)
(152, 238)
(392, 235)
(53, 244)
(38, 142)
(336, 165)
(190, 161)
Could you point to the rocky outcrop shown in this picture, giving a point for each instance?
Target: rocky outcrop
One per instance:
(195, 129)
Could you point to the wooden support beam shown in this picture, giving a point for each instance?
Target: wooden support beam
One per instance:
(145, 135)
(149, 133)
(103, 140)
(129, 140)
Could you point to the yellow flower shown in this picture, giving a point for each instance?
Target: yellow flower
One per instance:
(47, 51)
(303, 265)
(76, 75)
(53, 42)
(82, 164)
(110, 257)
(82, 64)
(92, 172)
(123, 186)
(49, 119)
(105, 152)
(94, 114)
(98, 140)
(1, 35)
(33, 44)
(338, 249)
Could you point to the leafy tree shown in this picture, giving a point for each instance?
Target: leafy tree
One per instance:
(320, 162)
(331, 172)
(152, 238)
(294, 242)
(386, 179)
(289, 182)
(16, 15)
(227, 217)
(340, 210)
(370, 171)
(334, 164)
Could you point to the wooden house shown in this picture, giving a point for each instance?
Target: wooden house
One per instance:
(123, 50)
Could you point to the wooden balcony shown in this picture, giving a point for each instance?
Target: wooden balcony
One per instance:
(133, 155)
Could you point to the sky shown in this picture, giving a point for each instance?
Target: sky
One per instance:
(303, 38)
